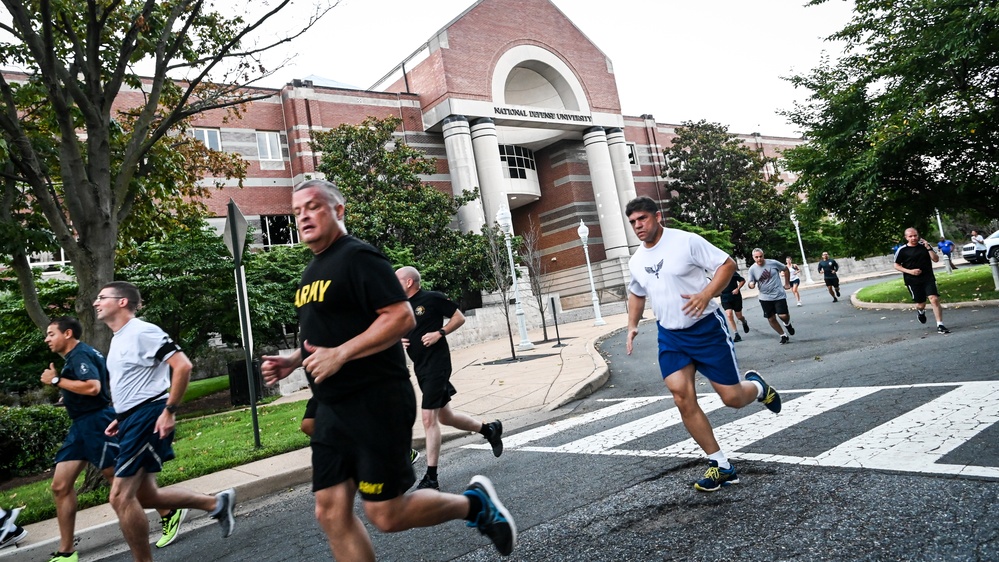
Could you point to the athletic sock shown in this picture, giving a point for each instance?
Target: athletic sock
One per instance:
(432, 472)
(474, 507)
(759, 388)
(720, 458)
(486, 430)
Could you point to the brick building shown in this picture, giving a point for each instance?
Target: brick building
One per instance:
(509, 97)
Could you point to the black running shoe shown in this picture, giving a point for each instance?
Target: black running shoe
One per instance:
(224, 516)
(835, 299)
(837, 290)
(494, 520)
(941, 329)
(428, 483)
(921, 315)
(496, 437)
(771, 398)
(784, 339)
(737, 338)
(745, 325)
(790, 329)
(10, 538)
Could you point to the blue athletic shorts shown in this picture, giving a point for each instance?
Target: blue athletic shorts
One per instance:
(706, 344)
(138, 446)
(86, 440)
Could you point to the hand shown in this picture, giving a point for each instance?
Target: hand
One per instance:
(430, 338)
(275, 368)
(48, 374)
(323, 361)
(915, 272)
(631, 339)
(405, 343)
(165, 424)
(112, 429)
(695, 305)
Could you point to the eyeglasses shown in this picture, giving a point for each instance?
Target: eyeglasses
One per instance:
(102, 297)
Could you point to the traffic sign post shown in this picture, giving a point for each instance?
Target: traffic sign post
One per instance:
(234, 236)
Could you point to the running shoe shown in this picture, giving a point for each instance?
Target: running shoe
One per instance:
(737, 338)
(921, 315)
(771, 398)
(12, 537)
(941, 329)
(790, 329)
(428, 482)
(493, 520)
(74, 557)
(496, 437)
(784, 339)
(171, 526)
(745, 325)
(227, 501)
(716, 477)
(837, 290)
(835, 299)
(413, 455)
(799, 303)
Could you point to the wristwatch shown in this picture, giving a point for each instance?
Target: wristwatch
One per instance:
(55, 381)
(442, 332)
(172, 409)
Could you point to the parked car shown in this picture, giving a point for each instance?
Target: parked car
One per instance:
(991, 249)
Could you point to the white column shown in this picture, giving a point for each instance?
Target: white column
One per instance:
(609, 210)
(623, 178)
(485, 144)
(464, 177)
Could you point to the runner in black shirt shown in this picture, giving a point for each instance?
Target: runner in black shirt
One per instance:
(915, 261)
(427, 347)
(353, 316)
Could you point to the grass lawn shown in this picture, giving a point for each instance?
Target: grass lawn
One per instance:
(967, 283)
(202, 445)
(204, 387)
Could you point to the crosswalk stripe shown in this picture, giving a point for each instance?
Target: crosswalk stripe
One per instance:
(912, 442)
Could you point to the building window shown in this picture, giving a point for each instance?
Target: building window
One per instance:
(210, 138)
(48, 260)
(518, 160)
(633, 157)
(278, 230)
(269, 145)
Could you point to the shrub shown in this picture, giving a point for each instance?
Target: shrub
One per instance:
(30, 438)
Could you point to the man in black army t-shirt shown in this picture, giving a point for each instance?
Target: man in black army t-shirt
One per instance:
(353, 316)
(915, 261)
(427, 347)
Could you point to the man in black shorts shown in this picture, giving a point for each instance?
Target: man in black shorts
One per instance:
(353, 316)
(915, 261)
(427, 347)
(731, 301)
(828, 268)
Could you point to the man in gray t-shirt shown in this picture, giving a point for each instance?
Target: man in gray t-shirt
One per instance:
(772, 278)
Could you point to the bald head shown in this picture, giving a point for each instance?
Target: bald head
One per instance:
(409, 278)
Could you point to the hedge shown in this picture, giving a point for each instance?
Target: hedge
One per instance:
(29, 439)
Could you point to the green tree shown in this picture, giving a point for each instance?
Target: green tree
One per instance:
(272, 277)
(905, 122)
(23, 352)
(719, 184)
(77, 164)
(390, 207)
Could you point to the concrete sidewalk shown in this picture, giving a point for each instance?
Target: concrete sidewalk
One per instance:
(490, 386)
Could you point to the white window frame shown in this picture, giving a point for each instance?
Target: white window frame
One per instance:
(209, 137)
(269, 146)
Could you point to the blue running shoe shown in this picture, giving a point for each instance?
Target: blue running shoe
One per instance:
(494, 520)
(716, 477)
(770, 398)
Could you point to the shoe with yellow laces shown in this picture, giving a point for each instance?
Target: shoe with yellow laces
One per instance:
(770, 397)
(716, 477)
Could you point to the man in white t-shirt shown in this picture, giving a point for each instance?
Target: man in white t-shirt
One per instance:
(149, 375)
(671, 267)
(773, 279)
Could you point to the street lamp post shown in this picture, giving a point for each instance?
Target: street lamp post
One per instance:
(804, 261)
(505, 220)
(583, 233)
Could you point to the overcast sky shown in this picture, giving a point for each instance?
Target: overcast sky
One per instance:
(720, 60)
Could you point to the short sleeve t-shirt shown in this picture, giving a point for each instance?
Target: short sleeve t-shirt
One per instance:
(137, 363)
(768, 280)
(84, 363)
(915, 257)
(677, 265)
(339, 296)
(726, 293)
(430, 308)
(828, 269)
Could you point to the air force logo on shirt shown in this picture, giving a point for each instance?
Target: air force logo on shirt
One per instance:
(83, 368)
(420, 310)
(655, 270)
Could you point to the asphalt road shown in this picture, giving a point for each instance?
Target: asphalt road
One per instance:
(887, 449)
